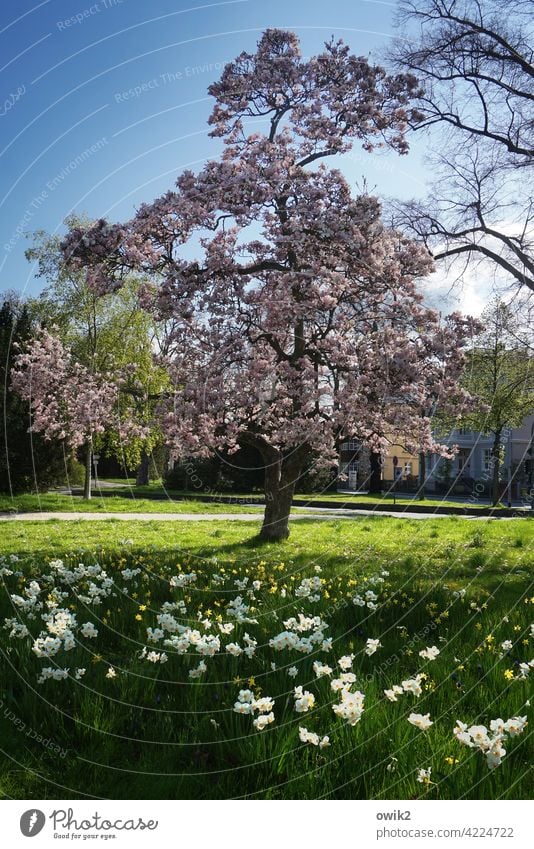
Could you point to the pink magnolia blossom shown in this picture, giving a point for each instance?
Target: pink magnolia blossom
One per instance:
(300, 323)
(67, 402)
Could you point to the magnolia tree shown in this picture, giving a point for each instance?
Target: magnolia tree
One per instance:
(299, 323)
(67, 402)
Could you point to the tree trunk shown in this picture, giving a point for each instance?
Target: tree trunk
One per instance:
(142, 477)
(422, 475)
(375, 478)
(279, 488)
(87, 481)
(496, 455)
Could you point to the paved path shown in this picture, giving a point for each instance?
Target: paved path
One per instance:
(322, 513)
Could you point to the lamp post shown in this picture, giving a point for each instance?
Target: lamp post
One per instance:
(96, 458)
(509, 467)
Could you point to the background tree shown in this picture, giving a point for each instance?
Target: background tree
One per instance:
(27, 461)
(68, 403)
(109, 336)
(299, 324)
(500, 369)
(474, 59)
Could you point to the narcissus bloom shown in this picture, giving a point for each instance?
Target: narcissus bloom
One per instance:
(421, 721)
(371, 646)
(423, 775)
(429, 653)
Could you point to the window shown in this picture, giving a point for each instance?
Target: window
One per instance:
(464, 459)
(407, 469)
(352, 445)
(487, 460)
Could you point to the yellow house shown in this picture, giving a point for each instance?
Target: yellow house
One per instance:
(354, 465)
(400, 465)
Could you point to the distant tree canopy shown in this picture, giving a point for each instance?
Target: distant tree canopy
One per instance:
(474, 60)
(109, 336)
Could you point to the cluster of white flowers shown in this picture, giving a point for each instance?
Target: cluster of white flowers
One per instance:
(206, 645)
(489, 742)
(304, 701)
(351, 706)
(167, 622)
(345, 662)
(238, 610)
(314, 739)
(371, 646)
(525, 668)
(420, 720)
(153, 656)
(247, 704)
(303, 624)
(18, 629)
(226, 628)
(321, 669)
(430, 653)
(251, 645)
(263, 720)
(52, 672)
(234, 649)
(198, 671)
(292, 672)
(183, 580)
(46, 646)
(29, 603)
(413, 685)
(393, 693)
(369, 600)
(89, 630)
(5, 571)
(97, 592)
(344, 682)
(217, 580)
(309, 588)
(88, 584)
(128, 574)
(410, 685)
(304, 645)
(244, 702)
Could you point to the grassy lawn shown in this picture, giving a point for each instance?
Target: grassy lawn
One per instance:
(156, 489)
(50, 502)
(153, 731)
(155, 499)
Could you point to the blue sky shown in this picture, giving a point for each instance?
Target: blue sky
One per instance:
(103, 104)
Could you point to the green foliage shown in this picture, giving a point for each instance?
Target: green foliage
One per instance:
(110, 335)
(500, 372)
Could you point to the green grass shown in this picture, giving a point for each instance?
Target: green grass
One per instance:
(50, 502)
(152, 732)
(156, 489)
(155, 499)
